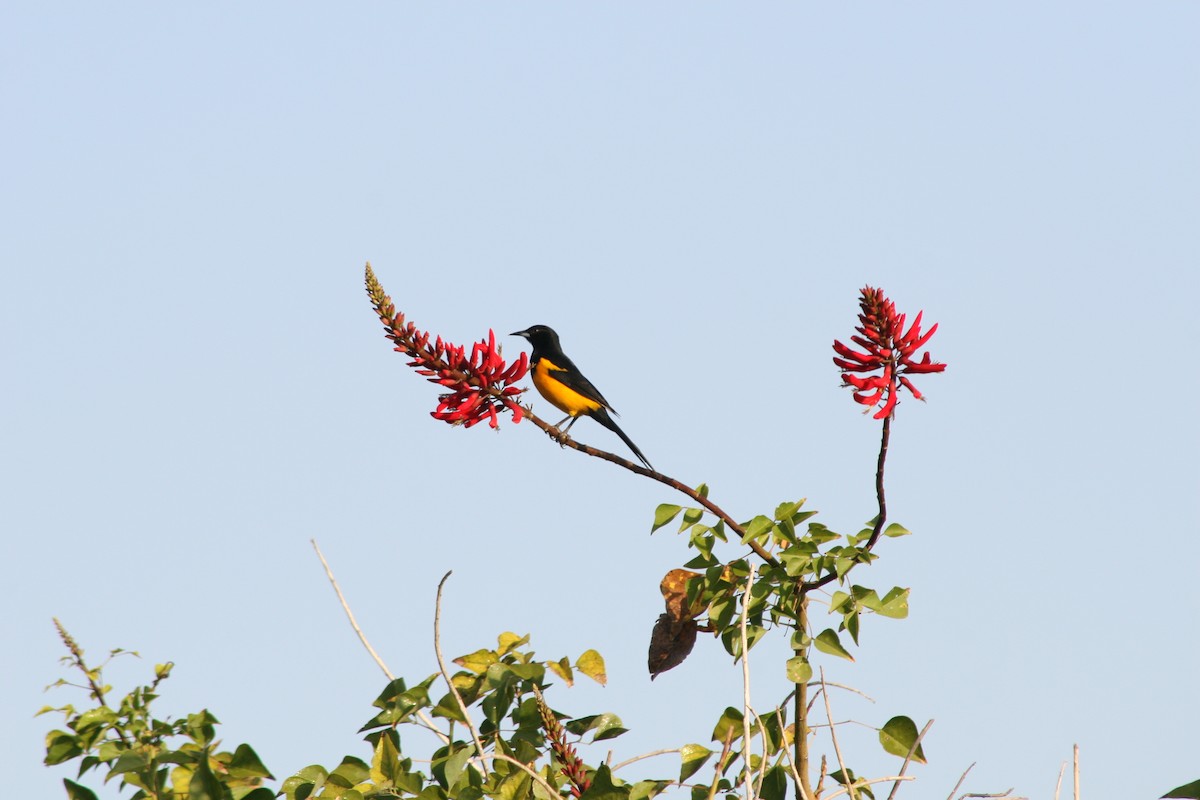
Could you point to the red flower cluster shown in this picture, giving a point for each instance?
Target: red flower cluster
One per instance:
(478, 387)
(888, 347)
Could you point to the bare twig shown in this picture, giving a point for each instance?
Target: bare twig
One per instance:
(1075, 770)
(566, 441)
(1058, 783)
(719, 768)
(868, 782)
(786, 754)
(362, 637)
(825, 683)
(643, 757)
(437, 650)
(805, 588)
(1005, 795)
(958, 785)
(525, 768)
(746, 708)
(912, 751)
(837, 751)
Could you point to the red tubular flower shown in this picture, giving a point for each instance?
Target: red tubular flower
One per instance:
(887, 347)
(477, 387)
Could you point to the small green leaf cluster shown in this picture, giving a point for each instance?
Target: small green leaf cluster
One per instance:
(741, 599)
(159, 758)
(499, 704)
(803, 555)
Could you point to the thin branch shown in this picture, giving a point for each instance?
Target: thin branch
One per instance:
(847, 688)
(958, 785)
(1058, 783)
(746, 708)
(643, 757)
(868, 782)
(787, 755)
(719, 767)
(912, 751)
(566, 441)
(77, 655)
(523, 766)
(1005, 795)
(437, 650)
(1075, 771)
(805, 588)
(362, 637)
(837, 751)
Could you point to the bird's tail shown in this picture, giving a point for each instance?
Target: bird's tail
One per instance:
(601, 415)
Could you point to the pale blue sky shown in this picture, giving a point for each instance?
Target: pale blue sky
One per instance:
(194, 384)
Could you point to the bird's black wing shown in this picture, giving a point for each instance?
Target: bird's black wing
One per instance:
(569, 375)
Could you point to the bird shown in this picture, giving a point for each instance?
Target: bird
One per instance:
(560, 381)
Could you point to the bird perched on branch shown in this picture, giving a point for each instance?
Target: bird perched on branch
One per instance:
(560, 381)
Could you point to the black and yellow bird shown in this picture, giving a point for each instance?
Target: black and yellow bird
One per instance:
(561, 382)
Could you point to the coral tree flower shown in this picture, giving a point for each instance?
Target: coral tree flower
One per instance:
(477, 388)
(888, 348)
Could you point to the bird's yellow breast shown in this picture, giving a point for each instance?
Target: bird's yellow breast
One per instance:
(559, 394)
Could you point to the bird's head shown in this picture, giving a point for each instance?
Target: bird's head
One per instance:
(541, 337)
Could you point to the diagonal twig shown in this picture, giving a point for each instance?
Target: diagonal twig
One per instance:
(912, 751)
(362, 637)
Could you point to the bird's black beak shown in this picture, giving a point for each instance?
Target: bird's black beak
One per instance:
(524, 334)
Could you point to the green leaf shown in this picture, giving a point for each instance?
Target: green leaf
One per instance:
(94, 717)
(385, 761)
(785, 510)
(352, 771)
(77, 792)
(606, 726)
(730, 721)
(1191, 791)
(644, 790)
(128, 761)
(457, 764)
(757, 527)
(261, 793)
(61, 746)
(896, 529)
(894, 604)
(799, 670)
(664, 514)
(850, 620)
(591, 663)
(602, 787)
(204, 784)
(246, 764)
(509, 641)
(477, 662)
(562, 668)
(775, 783)
(847, 777)
(898, 736)
(867, 598)
(702, 490)
(827, 642)
(692, 758)
(690, 517)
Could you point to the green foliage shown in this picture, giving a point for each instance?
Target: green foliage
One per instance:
(157, 758)
(1190, 791)
(898, 736)
(179, 759)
